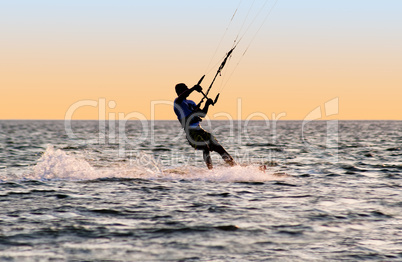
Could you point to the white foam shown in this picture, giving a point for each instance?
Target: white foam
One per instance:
(58, 165)
(222, 174)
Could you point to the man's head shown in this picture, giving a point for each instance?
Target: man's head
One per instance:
(180, 88)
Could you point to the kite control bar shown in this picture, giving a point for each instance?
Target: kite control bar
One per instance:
(205, 96)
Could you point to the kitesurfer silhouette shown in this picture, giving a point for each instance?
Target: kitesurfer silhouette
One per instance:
(189, 114)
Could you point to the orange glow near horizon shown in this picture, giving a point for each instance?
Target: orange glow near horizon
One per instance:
(44, 72)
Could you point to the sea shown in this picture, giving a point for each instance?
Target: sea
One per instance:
(137, 191)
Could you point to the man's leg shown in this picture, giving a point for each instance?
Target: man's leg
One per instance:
(207, 158)
(224, 154)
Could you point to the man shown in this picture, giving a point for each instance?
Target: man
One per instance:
(189, 114)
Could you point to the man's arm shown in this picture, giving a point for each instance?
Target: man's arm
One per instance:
(185, 94)
(204, 111)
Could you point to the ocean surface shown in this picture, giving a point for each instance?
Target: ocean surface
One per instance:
(137, 191)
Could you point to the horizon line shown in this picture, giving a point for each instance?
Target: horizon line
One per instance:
(11, 119)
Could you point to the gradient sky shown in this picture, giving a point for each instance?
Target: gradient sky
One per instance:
(56, 53)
